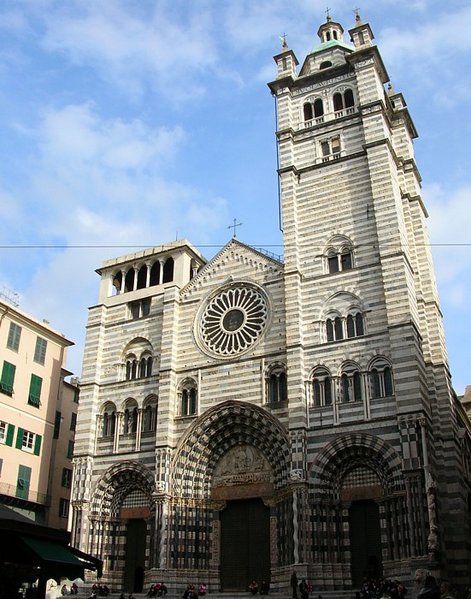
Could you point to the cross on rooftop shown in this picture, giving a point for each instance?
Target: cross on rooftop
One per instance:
(234, 226)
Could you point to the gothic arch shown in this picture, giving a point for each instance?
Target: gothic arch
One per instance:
(117, 482)
(357, 449)
(225, 426)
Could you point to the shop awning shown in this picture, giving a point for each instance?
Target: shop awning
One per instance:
(58, 559)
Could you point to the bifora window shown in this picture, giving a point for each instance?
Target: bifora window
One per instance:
(276, 386)
(322, 388)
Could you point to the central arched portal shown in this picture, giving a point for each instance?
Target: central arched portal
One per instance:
(245, 544)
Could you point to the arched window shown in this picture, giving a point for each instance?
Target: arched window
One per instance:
(348, 98)
(381, 381)
(155, 273)
(322, 388)
(130, 420)
(117, 280)
(338, 329)
(109, 421)
(325, 65)
(346, 259)
(131, 368)
(338, 102)
(168, 271)
(342, 101)
(318, 108)
(188, 399)
(129, 280)
(355, 325)
(145, 366)
(351, 389)
(334, 328)
(308, 113)
(142, 277)
(138, 360)
(339, 259)
(149, 417)
(276, 385)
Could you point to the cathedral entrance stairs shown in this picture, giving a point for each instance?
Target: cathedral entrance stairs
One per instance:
(349, 594)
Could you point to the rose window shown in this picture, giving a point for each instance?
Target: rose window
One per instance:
(233, 320)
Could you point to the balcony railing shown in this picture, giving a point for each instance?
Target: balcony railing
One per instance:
(24, 495)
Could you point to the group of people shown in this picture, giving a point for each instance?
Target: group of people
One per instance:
(72, 590)
(191, 592)
(158, 589)
(426, 586)
(304, 587)
(376, 588)
(99, 590)
(263, 589)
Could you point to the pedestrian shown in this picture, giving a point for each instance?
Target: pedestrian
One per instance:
(294, 585)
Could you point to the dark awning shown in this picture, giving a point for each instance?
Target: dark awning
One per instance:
(56, 559)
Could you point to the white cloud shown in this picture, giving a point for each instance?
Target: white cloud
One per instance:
(433, 41)
(132, 49)
(450, 226)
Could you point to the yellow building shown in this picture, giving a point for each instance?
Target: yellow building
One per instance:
(37, 418)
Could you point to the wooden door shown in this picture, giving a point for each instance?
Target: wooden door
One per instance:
(245, 544)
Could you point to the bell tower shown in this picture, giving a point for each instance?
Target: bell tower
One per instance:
(363, 322)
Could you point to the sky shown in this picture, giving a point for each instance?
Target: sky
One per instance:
(129, 123)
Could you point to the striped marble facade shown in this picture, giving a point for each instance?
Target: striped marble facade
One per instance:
(343, 402)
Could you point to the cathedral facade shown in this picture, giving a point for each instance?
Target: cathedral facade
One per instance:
(246, 416)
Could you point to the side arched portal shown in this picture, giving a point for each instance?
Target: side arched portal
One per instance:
(363, 508)
(121, 517)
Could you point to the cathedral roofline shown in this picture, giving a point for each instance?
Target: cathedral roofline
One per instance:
(165, 248)
(232, 243)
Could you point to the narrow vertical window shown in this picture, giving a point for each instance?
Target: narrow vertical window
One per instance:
(338, 102)
(348, 97)
(308, 114)
(23, 481)
(34, 395)
(338, 328)
(168, 271)
(333, 263)
(8, 378)
(14, 334)
(318, 108)
(40, 350)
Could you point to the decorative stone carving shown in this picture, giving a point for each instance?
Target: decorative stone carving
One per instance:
(296, 475)
(241, 465)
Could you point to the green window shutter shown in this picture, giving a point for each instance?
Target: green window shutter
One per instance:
(10, 435)
(22, 485)
(19, 438)
(37, 444)
(8, 377)
(34, 396)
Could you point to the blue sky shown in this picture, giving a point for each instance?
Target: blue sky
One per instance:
(130, 123)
